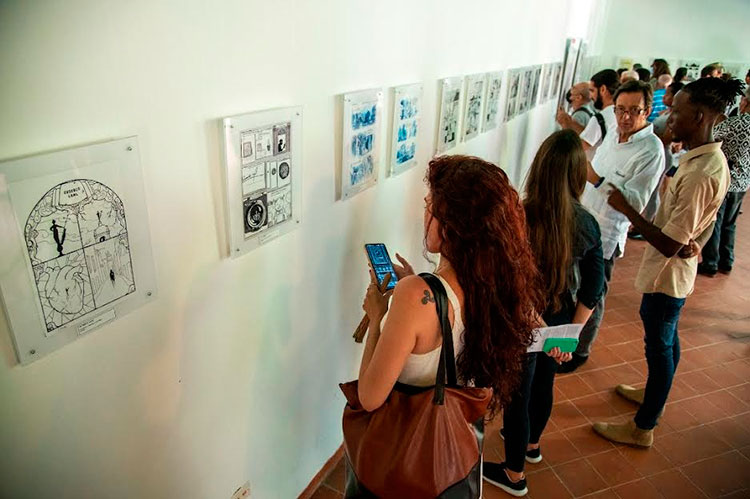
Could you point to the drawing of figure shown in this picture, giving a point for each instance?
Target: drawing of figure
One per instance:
(58, 239)
(112, 276)
(282, 144)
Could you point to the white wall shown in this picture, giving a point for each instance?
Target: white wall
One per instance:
(699, 30)
(231, 374)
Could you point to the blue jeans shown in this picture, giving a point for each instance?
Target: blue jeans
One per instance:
(660, 314)
(718, 253)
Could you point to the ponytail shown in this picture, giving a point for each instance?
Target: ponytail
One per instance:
(714, 93)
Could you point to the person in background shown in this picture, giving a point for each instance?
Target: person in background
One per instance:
(680, 75)
(734, 132)
(661, 88)
(668, 269)
(631, 159)
(644, 74)
(629, 76)
(747, 78)
(567, 244)
(658, 68)
(602, 88)
(713, 70)
(583, 109)
(620, 71)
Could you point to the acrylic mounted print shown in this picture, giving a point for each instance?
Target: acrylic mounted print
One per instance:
(536, 80)
(450, 111)
(472, 119)
(263, 163)
(77, 243)
(556, 80)
(407, 110)
(360, 159)
(547, 73)
(524, 98)
(514, 79)
(492, 102)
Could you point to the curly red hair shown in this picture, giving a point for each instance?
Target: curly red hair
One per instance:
(484, 237)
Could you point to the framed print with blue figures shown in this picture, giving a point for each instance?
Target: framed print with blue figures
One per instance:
(492, 101)
(263, 168)
(75, 242)
(475, 85)
(407, 108)
(360, 159)
(450, 112)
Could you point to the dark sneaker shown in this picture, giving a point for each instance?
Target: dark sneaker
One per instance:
(706, 271)
(494, 473)
(725, 269)
(573, 364)
(533, 456)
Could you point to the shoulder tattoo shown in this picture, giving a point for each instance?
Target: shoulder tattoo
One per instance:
(427, 298)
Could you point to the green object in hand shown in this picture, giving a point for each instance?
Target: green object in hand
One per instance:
(564, 344)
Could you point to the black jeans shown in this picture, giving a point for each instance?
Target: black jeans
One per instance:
(660, 314)
(718, 253)
(525, 417)
(591, 328)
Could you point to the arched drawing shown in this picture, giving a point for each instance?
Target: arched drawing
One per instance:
(77, 240)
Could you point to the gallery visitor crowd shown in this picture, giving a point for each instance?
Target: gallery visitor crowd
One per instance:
(642, 154)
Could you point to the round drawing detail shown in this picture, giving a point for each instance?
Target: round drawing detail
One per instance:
(77, 241)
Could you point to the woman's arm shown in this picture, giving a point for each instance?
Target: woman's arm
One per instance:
(591, 268)
(412, 312)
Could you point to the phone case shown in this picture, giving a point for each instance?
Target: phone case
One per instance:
(564, 344)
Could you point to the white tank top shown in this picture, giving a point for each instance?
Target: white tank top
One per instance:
(421, 368)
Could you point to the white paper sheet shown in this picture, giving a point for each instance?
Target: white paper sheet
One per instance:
(563, 331)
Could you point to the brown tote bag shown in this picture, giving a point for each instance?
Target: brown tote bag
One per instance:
(423, 441)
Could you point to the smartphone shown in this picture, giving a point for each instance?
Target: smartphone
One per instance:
(381, 263)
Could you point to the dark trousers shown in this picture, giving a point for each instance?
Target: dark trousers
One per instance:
(591, 328)
(660, 314)
(718, 253)
(525, 417)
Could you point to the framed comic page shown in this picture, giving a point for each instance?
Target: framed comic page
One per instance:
(75, 242)
(263, 173)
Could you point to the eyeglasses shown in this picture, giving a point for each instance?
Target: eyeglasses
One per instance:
(632, 112)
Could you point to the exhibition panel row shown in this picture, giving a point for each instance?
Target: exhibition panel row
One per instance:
(76, 242)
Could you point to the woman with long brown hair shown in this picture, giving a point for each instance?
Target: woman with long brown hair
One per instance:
(474, 219)
(566, 242)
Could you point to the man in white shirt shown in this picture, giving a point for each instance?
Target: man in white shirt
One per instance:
(631, 159)
(602, 88)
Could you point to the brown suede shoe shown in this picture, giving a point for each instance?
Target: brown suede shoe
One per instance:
(630, 393)
(634, 395)
(626, 433)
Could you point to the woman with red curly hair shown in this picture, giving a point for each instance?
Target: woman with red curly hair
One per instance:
(473, 218)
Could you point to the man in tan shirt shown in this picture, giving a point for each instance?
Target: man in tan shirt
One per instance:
(682, 225)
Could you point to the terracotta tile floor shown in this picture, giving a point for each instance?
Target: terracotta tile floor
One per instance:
(702, 446)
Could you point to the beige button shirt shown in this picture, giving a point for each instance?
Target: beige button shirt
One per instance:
(688, 208)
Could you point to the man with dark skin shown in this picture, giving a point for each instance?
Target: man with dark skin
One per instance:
(682, 225)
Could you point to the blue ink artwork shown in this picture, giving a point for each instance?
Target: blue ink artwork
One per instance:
(362, 144)
(361, 171)
(409, 107)
(405, 153)
(364, 117)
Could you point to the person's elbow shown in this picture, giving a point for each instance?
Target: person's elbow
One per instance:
(368, 400)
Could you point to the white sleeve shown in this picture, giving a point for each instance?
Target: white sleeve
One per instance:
(592, 134)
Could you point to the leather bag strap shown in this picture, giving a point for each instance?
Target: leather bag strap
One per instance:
(446, 372)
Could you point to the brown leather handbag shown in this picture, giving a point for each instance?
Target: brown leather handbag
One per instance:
(423, 441)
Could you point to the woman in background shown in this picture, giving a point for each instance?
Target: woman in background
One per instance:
(567, 245)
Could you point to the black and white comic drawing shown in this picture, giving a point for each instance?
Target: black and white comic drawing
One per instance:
(449, 114)
(265, 177)
(77, 242)
(513, 91)
(474, 99)
(492, 102)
